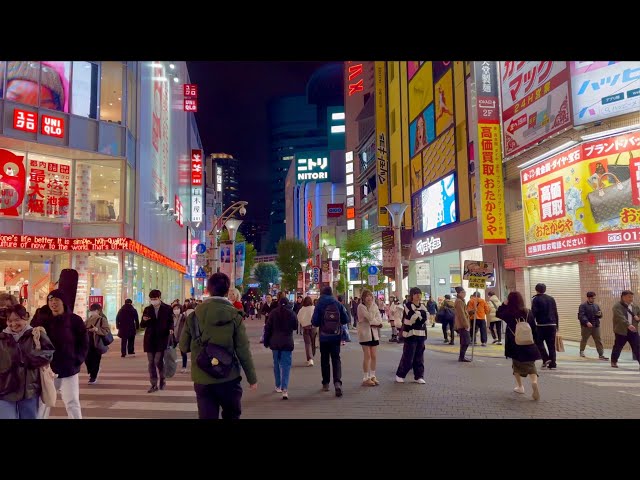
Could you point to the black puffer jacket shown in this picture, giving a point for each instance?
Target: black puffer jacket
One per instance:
(20, 365)
(156, 334)
(69, 336)
(278, 332)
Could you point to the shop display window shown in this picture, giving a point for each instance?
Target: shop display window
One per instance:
(97, 191)
(105, 282)
(23, 82)
(54, 85)
(13, 175)
(111, 77)
(84, 89)
(48, 187)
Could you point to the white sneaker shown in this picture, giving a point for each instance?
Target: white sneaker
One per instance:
(399, 379)
(519, 389)
(310, 363)
(184, 370)
(421, 381)
(278, 390)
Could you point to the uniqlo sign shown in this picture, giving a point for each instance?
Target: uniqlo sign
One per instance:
(190, 97)
(190, 90)
(25, 121)
(190, 104)
(52, 126)
(196, 167)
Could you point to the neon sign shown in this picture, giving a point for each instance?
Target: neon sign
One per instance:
(309, 225)
(354, 72)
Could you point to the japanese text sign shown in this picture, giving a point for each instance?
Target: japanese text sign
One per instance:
(196, 167)
(312, 167)
(382, 148)
(190, 90)
(491, 202)
(25, 121)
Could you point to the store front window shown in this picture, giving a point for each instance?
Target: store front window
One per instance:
(84, 91)
(105, 282)
(48, 187)
(111, 92)
(97, 191)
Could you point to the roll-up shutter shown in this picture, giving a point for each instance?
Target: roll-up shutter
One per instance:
(563, 284)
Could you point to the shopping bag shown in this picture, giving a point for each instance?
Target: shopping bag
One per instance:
(49, 394)
(170, 358)
(559, 343)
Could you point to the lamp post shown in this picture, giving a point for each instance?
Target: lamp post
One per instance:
(232, 225)
(330, 249)
(238, 207)
(303, 267)
(397, 211)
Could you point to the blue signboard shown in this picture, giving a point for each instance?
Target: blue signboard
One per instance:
(201, 248)
(373, 270)
(201, 273)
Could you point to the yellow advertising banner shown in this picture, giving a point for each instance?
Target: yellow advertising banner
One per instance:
(587, 196)
(382, 143)
(476, 281)
(492, 215)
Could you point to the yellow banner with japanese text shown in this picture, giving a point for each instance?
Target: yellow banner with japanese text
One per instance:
(491, 211)
(382, 144)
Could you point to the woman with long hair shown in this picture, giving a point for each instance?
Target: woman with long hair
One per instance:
(179, 320)
(308, 331)
(369, 324)
(524, 357)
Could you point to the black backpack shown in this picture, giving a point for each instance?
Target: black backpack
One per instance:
(331, 320)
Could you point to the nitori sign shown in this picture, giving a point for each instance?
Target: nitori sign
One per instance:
(312, 166)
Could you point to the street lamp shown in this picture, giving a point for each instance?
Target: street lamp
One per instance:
(232, 225)
(397, 211)
(330, 249)
(303, 267)
(238, 207)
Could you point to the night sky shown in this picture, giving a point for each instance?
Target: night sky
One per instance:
(232, 116)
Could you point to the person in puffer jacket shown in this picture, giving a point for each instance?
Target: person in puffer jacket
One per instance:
(20, 364)
(414, 332)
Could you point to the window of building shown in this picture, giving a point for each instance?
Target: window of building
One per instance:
(22, 82)
(84, 89)
(105, 281)
(130, 194)
(54, 85)
(48, 187)
(12, 183)
(97, 191)
(111, 91)
(132, 98)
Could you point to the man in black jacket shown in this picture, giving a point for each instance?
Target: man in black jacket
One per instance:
(157, 318)
(68, 334)
(278, 336)
(589, 315)
(545, 311)
(127, 323)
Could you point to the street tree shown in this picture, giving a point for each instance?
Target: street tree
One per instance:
(358, 248)
(291, 252)
(266, 273)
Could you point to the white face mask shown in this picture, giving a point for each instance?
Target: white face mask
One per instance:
(176, 311)
(93, 313)
(155, 303)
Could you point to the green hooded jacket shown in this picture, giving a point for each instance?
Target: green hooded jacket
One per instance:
(220, 323)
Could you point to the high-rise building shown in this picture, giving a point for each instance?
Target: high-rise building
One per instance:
(252, 232)
(229, 169)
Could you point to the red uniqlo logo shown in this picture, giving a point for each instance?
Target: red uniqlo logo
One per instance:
(190, 105)
(52, 126)
(26, 121)
(190, 90)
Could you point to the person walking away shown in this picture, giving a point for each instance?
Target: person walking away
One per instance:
(278, 336)
(128, 324)
(545, 311)
(447, 317)
(495, 323)
(395, 318)
(462, 324)
(329, 316)
(414, 323)
(157, 319)
(308, 331)
(179, 319)
(369, 337)
(20, 362)
(219, 323)
(69, 337)
(589, 315)
(97, 326)
(626, 316)
(432, 308)
(478, 309)
(523, 356)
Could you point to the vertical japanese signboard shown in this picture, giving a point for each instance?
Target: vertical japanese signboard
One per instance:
(196, 186)
(190, 97)
(382, 144)
(490, 202)
(535, 102)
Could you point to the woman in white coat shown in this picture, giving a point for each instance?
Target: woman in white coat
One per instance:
(369, 324)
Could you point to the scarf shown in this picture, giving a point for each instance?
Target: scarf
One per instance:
(18, 335)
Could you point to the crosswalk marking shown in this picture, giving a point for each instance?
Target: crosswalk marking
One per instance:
(588, 376)
(614, 384)
(143, 381)
(599, 374)
(94, 390)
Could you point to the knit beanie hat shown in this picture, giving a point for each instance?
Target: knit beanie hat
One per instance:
(52, 77)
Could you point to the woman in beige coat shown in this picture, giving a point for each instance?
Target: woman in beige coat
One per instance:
(97, 326)
(369, 324)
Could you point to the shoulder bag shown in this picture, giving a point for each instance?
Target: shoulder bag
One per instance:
(215, 360)
(48, 394)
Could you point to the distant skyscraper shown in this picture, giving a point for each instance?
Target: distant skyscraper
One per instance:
(229, 171)
(252, 232)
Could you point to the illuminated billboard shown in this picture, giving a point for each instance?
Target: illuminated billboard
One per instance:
(312, 166)
(435, 205)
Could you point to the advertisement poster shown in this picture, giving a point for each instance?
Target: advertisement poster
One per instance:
(389, 257)
(535, 102)
(422, 131)
(225, 258)
(444, 102)
(602, 90)
(12, 183)
(239, 260)
(48, 188)
(412, 68)
(435, 205)
(160, 131)
(420, 90)
(478, 268)
(586, 196)
(382, 147)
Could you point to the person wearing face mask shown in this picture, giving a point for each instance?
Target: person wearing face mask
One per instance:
(157, 320)
(20, 363)
(6, 301)
(179, 319)
(97, 326)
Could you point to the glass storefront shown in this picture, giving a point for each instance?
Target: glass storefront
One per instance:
(142, 275)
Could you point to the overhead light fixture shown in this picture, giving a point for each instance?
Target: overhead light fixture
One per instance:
(546, 155)
(609, 133)
(172, 66)
(175, 79)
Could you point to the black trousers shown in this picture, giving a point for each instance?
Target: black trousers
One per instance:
(127, 345)
(156, 367)
(482, 326)
(547, 334)
(184, 359)
(448, 325)
(412, 357)
(330, 349)
(634, 343)
(211, 398)
(465, 341)
(496, 327)
(92, 361)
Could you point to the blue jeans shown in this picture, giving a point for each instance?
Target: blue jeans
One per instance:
(281, 368)
(23, 409)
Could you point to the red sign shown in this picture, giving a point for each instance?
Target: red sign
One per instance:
(179, 211)
(25, 121)
(335, 209)
(196, 167)
(551, 197)
(191, 105)
(355, 85)
(351, 213)
(309, 225)
(12, 183)
(52, 126)
(33, 242)
(48, 193)
(99, 299)
(190, 90)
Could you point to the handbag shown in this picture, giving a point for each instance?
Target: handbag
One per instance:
(607, 202)
(48, 394)
(170, 358)
(621, 171)
(215, 360)
(559, 343)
